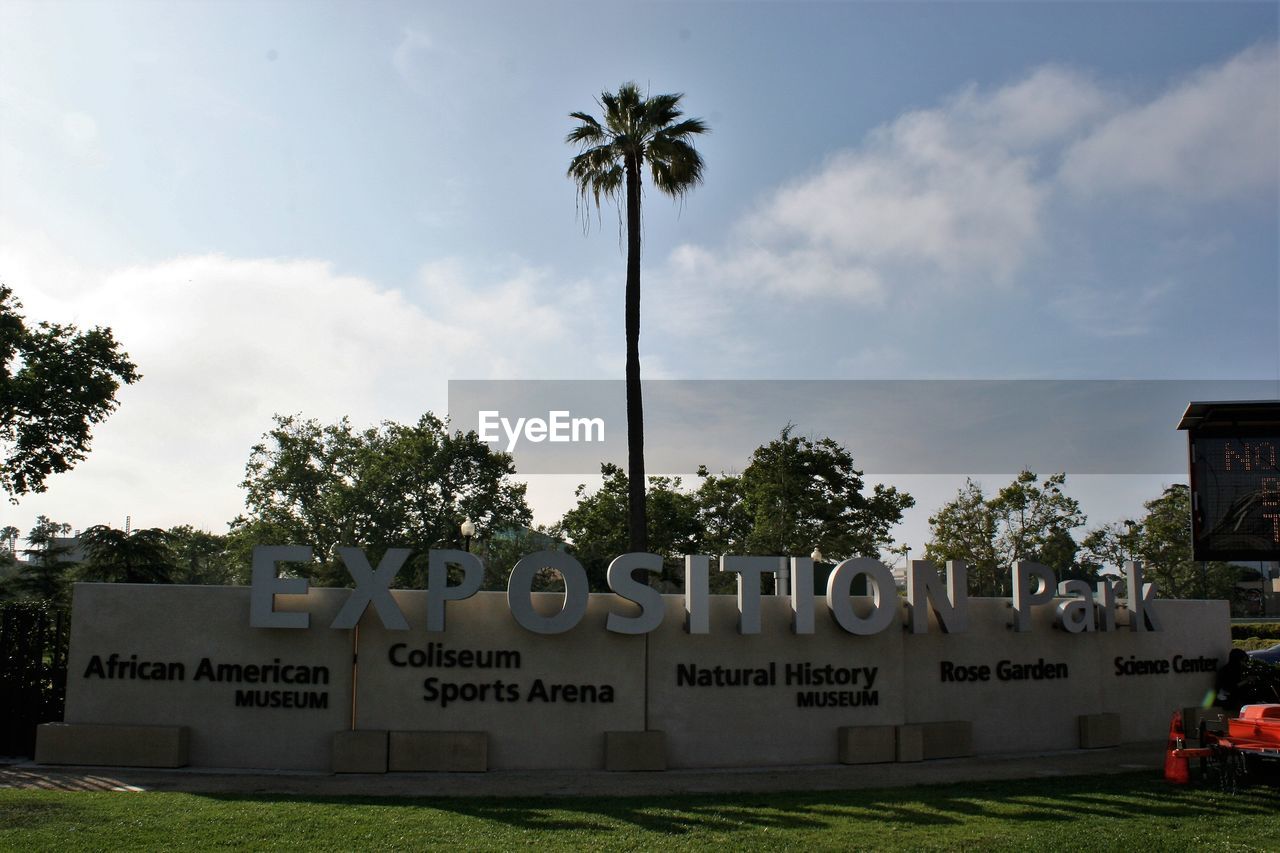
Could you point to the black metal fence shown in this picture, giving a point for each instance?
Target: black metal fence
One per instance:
(33, 671)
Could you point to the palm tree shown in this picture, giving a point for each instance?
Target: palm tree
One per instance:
(636, 130)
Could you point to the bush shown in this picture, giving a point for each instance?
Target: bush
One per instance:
(33, 670)
(1260, 682)
(1254, 630)
(1255, 644)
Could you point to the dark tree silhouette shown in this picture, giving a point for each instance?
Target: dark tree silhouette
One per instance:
(636, 131)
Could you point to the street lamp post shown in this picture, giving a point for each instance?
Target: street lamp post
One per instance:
(816, 556)
(468, 530)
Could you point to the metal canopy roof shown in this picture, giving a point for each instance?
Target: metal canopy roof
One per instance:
(1232, 414)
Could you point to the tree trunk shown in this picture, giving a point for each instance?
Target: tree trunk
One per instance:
(636, 518)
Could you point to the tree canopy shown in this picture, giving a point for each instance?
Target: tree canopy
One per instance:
(118, 556)
(597, 525)
(794, 495)
(56, 384)
(1026, 520)
(800, 493)
(394, 485)
(45, 573)
(200, 557)
(1161, 540)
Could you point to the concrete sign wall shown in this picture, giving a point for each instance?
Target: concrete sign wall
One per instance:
(1024, 691)
(175, 656)
(545, 701)
(152, 655)
(726, 699)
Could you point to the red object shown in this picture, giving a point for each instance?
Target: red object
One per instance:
(1257, 729)
(1260, 712)
(1177, 769)
(1250, 745)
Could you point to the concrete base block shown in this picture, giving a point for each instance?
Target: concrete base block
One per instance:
(1215, 720)
(629, 751)
(118, 746)
(953, 739)
(360, 752)
(1099, 730)
(910, 743)
(867, 744)
(435, 752)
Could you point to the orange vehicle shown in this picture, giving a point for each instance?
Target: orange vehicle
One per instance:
(1247, 751)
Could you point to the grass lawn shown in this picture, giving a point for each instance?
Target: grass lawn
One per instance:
(1127, 812)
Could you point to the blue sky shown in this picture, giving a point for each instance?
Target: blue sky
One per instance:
(334, 208)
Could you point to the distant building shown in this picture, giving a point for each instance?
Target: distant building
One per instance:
(1258, 590)
(62, 549)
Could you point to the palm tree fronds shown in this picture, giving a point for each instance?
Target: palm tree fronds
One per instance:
(636, 129)
(676, 166)
(588, 133)
(645, 128)
(683, 130)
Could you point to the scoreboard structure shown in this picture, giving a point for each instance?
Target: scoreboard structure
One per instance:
(1234, 450)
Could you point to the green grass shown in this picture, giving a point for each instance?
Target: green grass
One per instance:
(1126, 812)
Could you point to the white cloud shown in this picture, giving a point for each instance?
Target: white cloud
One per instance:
(223, 343)
(45, 277)
(960, 196)
(915, 197)
(518, 323)
(79, 136)
(948, 194)
(798, 270)
(1114, 312)
(46, 124)
(1050, 104)
(408, 53)
(1212, 136)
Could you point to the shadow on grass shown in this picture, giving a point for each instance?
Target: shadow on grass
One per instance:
(24, 814)
(1040, 801)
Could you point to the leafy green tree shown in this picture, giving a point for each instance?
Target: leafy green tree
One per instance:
(504, 548)
(1060, 552)
(800, 493)
(1026, 520)
(796, 494)
(723, 519)
(56, 383)
(44, 575)
(394, 485)
(636, 130)
(245, 533)
(1161, 540)
(965, 529)
(1113, 544)
(9, 539)
(200, 557)
(117, 556)
(597, 526)
(8, 559)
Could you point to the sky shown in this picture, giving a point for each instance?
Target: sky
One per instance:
(336, 208)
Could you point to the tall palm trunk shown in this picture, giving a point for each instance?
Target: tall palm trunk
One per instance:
(636, 516)
(636, 130)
